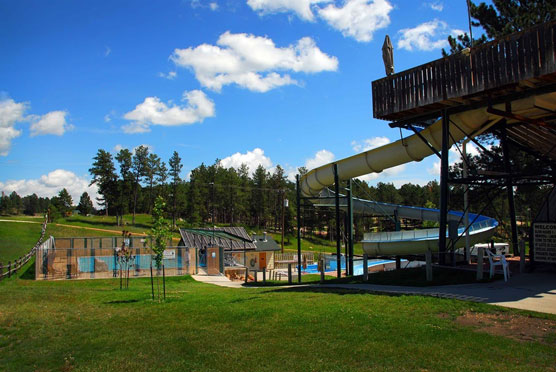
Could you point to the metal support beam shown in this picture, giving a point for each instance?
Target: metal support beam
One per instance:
(444, 187)
(298, 228)
(350, 226)
(338, 242)
(424, 140)
(510, 190)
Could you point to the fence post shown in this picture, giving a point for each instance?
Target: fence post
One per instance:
(428, 258)
(521, 256)
(264, 275)
(289, 273)
(9, 269)
(480, 253)
(365, 267)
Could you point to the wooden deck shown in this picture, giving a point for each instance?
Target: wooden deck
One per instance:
(518, 62)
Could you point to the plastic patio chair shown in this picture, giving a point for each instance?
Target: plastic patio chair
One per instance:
(498, 260)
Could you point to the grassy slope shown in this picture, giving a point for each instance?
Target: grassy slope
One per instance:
(91, 325)
(16, 239)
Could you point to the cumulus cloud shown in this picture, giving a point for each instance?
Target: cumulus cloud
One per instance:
(300, 7)
(53, 122)
(358, 18)
(170, 76)
(11, 112)
(454, 157)
(321, 157)
(252, 62)
(213, 6)
(155, 112)
(251, 158)
(435, 5)
(426, 36)
(50, 184)
(355, 18)
(369, 143)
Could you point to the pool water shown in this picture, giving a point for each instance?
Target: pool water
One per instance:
(331, 265)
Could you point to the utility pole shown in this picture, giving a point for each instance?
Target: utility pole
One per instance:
(284, 202)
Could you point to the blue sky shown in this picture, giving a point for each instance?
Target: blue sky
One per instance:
(257, 81)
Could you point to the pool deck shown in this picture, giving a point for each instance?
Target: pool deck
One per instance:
(532, 291)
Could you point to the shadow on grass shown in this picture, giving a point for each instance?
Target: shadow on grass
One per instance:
(414, 277)
(240, 300)
(82, 223)
(29, 270)
(121, 302)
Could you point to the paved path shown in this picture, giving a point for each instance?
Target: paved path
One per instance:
(534, 291)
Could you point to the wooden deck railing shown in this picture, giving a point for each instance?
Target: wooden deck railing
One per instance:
(521, 56)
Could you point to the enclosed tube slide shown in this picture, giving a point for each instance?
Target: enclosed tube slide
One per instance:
(464, 124)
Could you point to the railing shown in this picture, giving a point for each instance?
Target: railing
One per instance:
(12, 267)
(514, 58)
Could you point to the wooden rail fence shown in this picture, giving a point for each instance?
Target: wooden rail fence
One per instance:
(12, 267)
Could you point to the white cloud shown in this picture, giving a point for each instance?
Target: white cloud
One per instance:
(107, 51)
(118, 148)
(435, 5)
(213, 6)
(170, 75)
(369, 144)
(426, 36)
(321, 157)
(252, 62)
(11, 112)
(155, 112)
(358, 18)
(107, 118)
(53, 122)
(454, 156)
(300, 7)
(251, 158)
(384, 176)
(49, 185)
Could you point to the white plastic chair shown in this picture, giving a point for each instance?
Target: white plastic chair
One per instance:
(498, 260)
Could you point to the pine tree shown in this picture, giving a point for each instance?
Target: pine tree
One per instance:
(85, 205)
(139, 163)
(175, 170)
(124, 158)
(503, 17)
(104, 176)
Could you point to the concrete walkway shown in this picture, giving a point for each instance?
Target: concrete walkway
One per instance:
(533, 291)
(221, 281)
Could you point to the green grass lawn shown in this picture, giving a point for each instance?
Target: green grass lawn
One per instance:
(90, 325)
(16, 239)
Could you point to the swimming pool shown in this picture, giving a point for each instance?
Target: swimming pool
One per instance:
(331, 265)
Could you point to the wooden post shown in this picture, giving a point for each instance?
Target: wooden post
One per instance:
(289, 273)
(9, 269)
(246, 274)
(428, 258)
(480, 254)
(337, 203)
(365, 267)
(264, 275)
(521, 256)
(444, 187)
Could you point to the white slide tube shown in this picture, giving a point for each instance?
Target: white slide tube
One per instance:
(464, 124)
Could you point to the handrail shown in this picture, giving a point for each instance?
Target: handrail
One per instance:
(508, 60)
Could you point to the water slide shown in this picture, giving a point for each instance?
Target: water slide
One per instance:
(463, 125)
